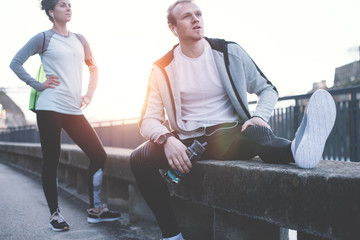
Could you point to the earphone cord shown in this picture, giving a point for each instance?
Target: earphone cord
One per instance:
(221, 128)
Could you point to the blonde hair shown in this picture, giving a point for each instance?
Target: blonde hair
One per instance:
(170, 18)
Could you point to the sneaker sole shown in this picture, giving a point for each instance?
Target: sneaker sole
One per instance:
(58, 229)
(321, 114)
(98, 220)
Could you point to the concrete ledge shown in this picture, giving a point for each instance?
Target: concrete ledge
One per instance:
(227, 199)
(324, 201)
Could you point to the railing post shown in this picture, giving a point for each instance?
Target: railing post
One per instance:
(353, 128)
(296, 116)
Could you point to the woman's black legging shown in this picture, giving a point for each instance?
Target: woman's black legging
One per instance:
(227, 144)
(78, 128)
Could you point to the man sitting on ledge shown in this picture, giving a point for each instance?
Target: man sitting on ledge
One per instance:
(202, 85)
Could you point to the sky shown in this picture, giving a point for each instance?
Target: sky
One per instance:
(295, 43)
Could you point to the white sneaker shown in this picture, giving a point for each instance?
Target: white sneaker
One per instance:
(310, 138)
(177, 237)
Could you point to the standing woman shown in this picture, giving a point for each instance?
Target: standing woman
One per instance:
(59, 107)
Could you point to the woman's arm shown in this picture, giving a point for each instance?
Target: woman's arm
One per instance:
(32, 47)
(90, 62)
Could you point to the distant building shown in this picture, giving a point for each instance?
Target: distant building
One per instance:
(319, 85)
(347, 75)
(316, 86)
(11, 114)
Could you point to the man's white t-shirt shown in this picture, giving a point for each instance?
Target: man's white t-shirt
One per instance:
(203, 97)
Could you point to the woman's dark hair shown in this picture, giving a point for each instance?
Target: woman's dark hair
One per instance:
(48, 5)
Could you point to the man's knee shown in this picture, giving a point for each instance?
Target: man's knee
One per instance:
(149, 155)
(134, 159)
(139, 154)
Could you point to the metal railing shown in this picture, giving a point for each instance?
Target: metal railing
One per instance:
(119, 133)
(342, 144)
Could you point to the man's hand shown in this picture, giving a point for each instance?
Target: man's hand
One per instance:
(175, 152)
(255, 121)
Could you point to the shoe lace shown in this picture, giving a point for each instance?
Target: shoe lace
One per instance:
(105, 209)
(61, 218)
(57, 216)
(102, 209)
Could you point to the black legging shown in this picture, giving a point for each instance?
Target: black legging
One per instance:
(78, 128)
(226, 144)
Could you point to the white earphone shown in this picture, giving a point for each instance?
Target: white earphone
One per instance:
(52, 14)
(175, 31)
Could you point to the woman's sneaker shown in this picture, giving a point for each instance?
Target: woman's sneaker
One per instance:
(57, 222)
(102, 214)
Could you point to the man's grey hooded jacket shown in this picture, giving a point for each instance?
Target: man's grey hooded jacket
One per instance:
(239, 76)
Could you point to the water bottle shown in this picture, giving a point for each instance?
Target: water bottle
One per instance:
(194, 153)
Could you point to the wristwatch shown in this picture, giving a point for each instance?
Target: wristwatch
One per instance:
(162, 139)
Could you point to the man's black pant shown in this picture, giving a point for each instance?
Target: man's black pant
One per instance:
(224, 144)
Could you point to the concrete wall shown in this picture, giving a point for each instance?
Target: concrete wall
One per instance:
(223, 200)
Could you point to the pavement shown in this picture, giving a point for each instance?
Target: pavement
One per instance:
(25, 214)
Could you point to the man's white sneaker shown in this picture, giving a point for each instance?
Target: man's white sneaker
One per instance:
(317, 123)
(177, 237)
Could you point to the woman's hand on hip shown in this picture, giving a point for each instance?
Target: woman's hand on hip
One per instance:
(51, 82)
(85, 101)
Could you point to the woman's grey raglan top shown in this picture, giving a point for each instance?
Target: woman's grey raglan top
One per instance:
(62, 56)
